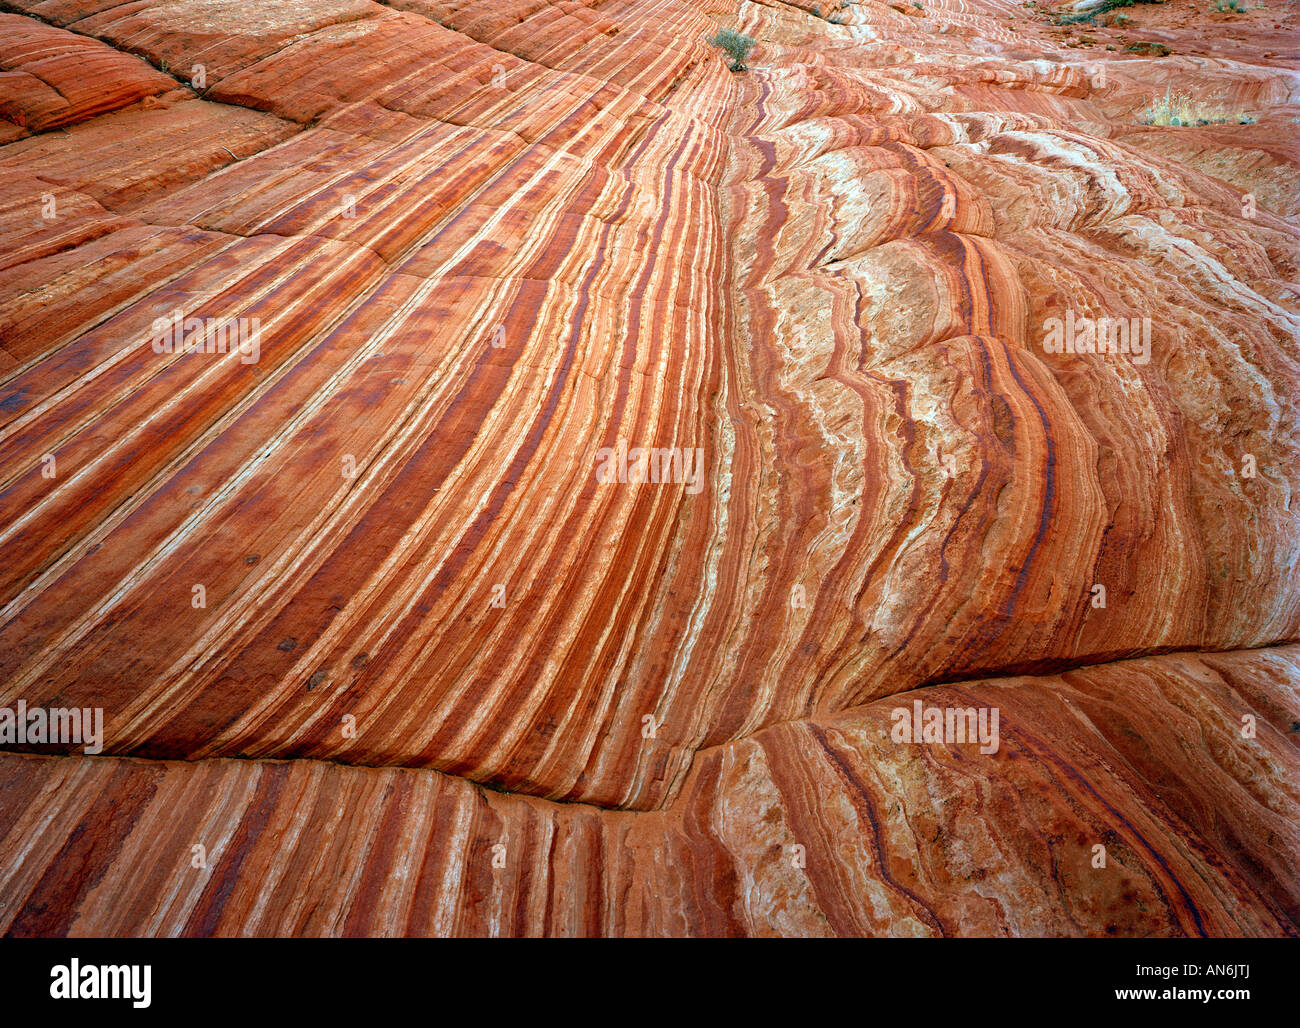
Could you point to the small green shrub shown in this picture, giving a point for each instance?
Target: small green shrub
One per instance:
(1087, 17)
(1233, 6)
(1144, 46)
(735, 45)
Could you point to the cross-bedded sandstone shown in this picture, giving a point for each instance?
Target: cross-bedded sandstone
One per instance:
(484, 245)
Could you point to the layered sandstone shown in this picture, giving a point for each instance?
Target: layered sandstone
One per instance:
(486, 244)
(813, 827)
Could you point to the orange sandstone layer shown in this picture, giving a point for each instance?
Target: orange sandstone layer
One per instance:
(1122, 800)
(486, 245)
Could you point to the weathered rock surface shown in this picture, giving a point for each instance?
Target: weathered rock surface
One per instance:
(49, 77)
(485, 244)
(814, 827)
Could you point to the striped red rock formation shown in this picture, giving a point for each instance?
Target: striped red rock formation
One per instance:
(1122, 800)
(52, 78)
(482, 254)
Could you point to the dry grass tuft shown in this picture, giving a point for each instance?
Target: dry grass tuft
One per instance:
(1181, 109)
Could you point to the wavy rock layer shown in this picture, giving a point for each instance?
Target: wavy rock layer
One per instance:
(486, 245)
(811, 828)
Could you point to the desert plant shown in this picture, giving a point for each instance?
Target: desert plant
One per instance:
(1180, 109)
(1087, 17)
(735, 45)
(1234, 6)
